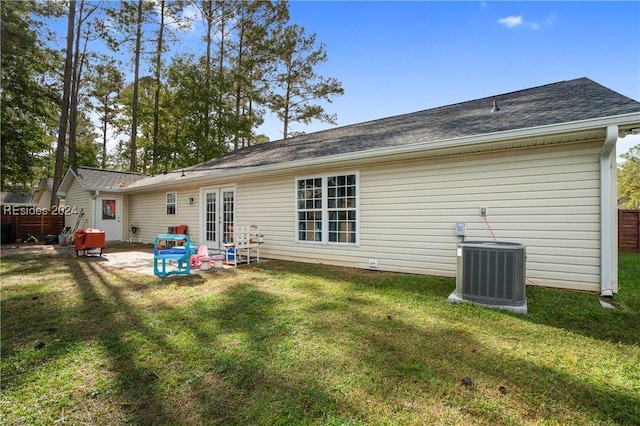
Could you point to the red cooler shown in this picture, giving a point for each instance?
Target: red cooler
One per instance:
(89, 241)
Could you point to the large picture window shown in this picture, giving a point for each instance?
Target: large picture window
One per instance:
(327, 209)
(172, 202)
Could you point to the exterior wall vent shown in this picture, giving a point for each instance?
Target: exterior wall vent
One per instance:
(491, 274)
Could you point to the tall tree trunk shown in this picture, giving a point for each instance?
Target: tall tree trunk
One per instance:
(156, 97)
(136, 83)
(78, 63)
(221, 76)
(285, 122)
(104, 133)
(64, 115)
(238, 79)
(250, 113)
(207, 110)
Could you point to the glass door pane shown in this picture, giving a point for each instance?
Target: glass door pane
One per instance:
(211, 218)
(228, 213)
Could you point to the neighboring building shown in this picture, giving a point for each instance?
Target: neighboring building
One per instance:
(42, 197)
(17, 198)
(541, 160)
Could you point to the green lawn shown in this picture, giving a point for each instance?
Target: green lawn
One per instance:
(288, 343)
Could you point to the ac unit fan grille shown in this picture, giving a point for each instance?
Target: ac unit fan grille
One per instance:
(488, 275)
(491, 274)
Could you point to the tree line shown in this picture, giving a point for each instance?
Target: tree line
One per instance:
(629, 179)
(131, 69)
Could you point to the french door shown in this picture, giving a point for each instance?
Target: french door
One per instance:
(218, 215)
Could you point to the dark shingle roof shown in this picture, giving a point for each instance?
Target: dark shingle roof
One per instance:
(15, 198)
(563, 102)
(91, 178)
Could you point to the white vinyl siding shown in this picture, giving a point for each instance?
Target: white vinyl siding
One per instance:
(78, 200)
(546, 198)
(147, 211)
(124, 212)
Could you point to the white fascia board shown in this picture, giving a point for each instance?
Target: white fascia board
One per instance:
(65, 183)
(105, 190)
(623, 121)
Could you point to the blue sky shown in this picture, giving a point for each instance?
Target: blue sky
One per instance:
(397, 57)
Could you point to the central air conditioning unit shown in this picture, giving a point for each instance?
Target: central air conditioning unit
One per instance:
(491, 274)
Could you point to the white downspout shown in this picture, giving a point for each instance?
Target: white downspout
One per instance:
(95, 209)
(606, 217)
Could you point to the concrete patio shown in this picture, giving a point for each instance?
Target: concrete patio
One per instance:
(136, 258)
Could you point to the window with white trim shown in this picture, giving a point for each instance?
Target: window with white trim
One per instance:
(326, 209)
(341, 208)
(172, 202)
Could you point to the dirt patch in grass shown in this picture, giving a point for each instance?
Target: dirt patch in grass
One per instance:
(64, 250)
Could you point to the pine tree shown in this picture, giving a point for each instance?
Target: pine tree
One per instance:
(27, 106)
(257, 25)
(66, 92)
(296, 83)
(130, 17)
(107, 82)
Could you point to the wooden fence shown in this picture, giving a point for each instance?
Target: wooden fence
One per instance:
(629, 230)
(18, 222)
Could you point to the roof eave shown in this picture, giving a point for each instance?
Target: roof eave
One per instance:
(66, 182)
(623, 121)
(103, 189)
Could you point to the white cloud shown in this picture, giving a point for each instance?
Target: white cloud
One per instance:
(192, 13)
(185, 18)
(516, 21)
(511, 21)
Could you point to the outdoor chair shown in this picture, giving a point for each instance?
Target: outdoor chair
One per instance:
(240, 249)
(181, 254)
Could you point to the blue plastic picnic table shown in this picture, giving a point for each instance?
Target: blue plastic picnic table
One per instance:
(178, 249)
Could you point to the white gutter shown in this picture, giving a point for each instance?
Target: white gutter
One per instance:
(94, 208)
(606, 217)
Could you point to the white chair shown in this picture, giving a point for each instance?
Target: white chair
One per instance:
(240, 249)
